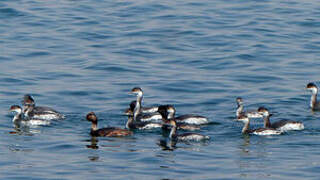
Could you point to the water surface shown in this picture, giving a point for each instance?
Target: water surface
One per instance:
(82, 56)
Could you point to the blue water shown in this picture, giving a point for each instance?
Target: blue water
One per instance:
(81, 56)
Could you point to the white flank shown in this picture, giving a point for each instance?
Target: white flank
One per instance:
(196, 120)
(151, 126)
(151, 110)
(267, 132)
(291, 127)
(151, 118)
(47, 116)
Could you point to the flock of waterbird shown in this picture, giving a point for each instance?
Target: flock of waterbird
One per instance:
(162, 116)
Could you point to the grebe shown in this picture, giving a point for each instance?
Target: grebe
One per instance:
(250, 114)
(314, 104)
(260, 131)
(167, 114)
(139, 93)
(109, 131)
(187, 118)
(143, 117)
(18, 119)
(132, 124)
(186, 136)
(283, 125)
(38, 112)
(135, 121)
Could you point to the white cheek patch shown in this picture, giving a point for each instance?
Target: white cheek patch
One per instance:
(313, 90)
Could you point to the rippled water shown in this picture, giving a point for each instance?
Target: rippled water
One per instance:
(81, 56)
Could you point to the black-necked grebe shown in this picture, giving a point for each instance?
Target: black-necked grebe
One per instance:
(187, 118)
(18, 119)
(250, 114)
(136, 120)
(186, 136)
(139, 93)
(314, 104)
(260, 131)
(132, 124)
(109, 131)
(39, 112)
(142, 117)
(167, 113)
(283, 125)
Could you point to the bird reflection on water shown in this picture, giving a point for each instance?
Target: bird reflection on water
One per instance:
(93, 143)
(250, 149)
(24, 130)
(167, 144)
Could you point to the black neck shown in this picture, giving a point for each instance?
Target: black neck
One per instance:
(313, 100)
(267, 123)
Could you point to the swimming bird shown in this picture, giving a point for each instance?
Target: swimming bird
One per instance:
(132, 124)
(185, 136)
(18, 118)
(39, 112)
(260, 131)
(283, 125)
(187, 118)
(136, 120)
(314, 104)
(108, 131)
(167, 113)
(139, 93)
(142, 117)
(250, 114)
